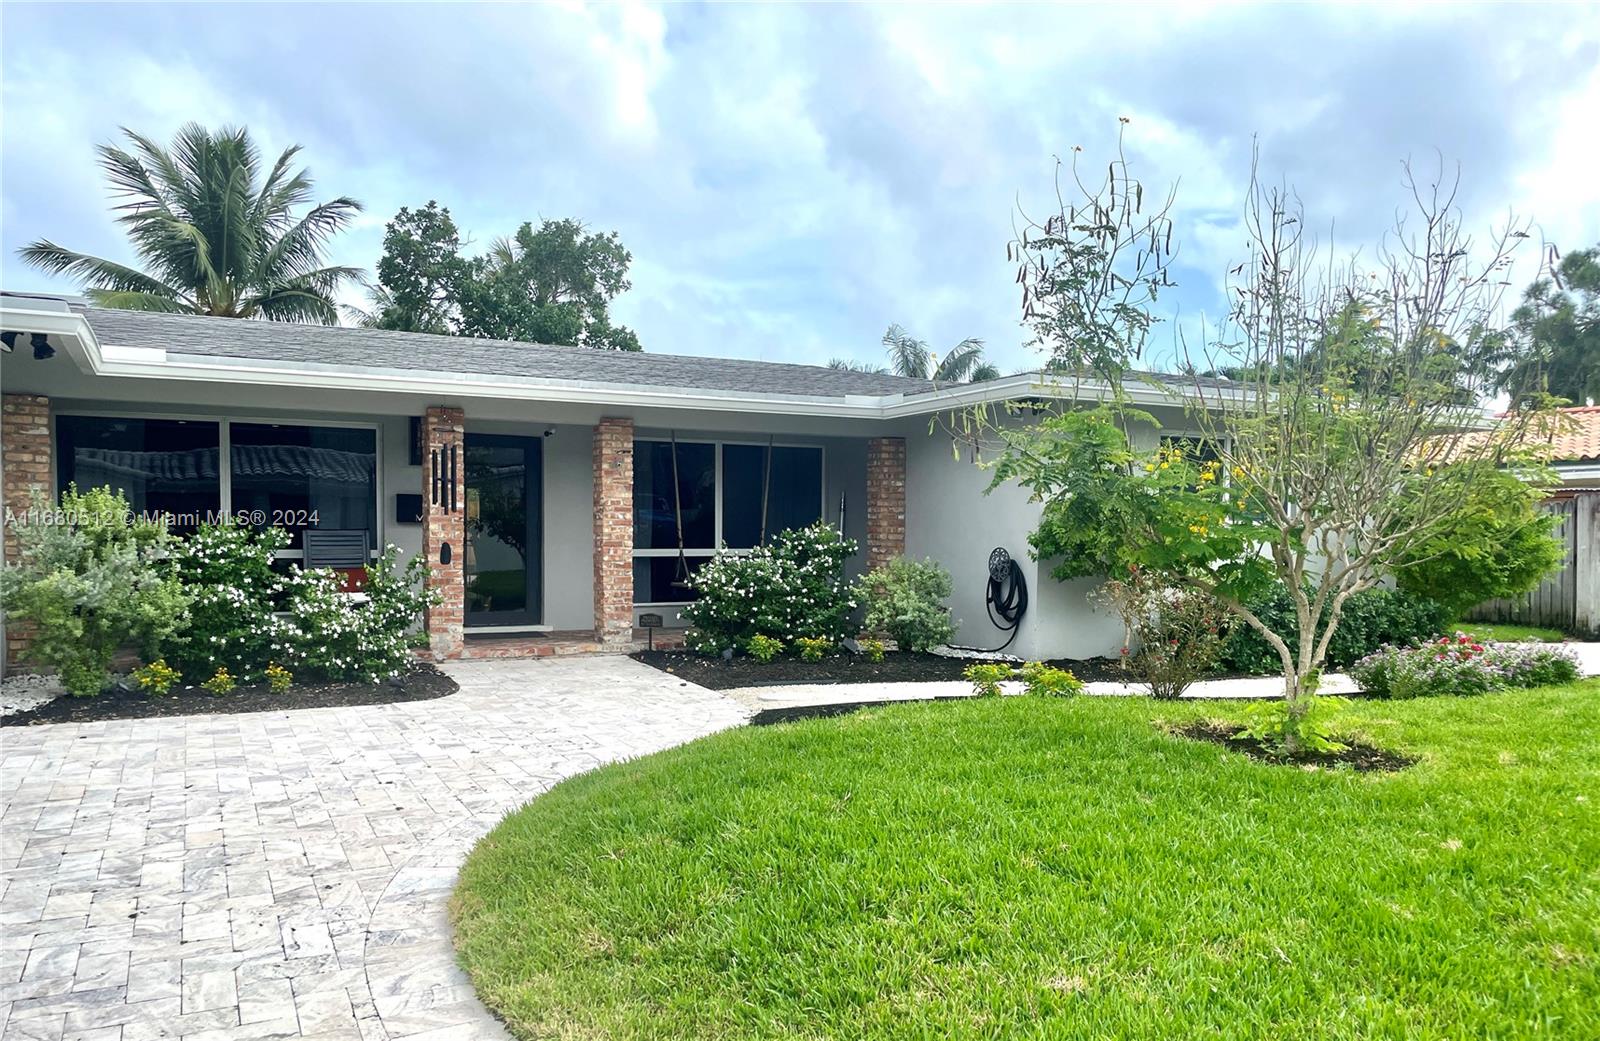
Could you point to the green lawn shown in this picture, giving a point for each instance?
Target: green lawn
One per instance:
(1025, 868)
(1506, 633)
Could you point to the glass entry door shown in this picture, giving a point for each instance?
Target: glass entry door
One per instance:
(503, 561)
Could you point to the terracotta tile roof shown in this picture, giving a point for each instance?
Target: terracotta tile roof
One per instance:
(1577, 436)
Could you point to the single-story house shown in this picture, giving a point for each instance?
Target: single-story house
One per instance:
(549, 487)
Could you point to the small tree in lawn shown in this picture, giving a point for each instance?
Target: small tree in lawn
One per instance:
(1335, 447)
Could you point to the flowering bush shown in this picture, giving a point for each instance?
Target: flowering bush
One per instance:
(764, 648)
(90, 585)
(812, 648)
(1179, 631)
(220, 683)
(278, 678)
(155, 678)
(1047, 680)
(247, 615)
(795, 586)
(873, 649)
(227, 569)
(906, 599)
(345, 637)
(1460, 665)
(986, 678)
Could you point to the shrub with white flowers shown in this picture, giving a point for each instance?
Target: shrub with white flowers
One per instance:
(345, 637)
(246, 615)
(227, 570)
(793, 588)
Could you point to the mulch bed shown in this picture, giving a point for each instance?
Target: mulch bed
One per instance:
(1357, 756)
(896, 667)
(421, 682)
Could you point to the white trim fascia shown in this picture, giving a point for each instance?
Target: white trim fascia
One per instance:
(1577, 471)
(114, 360)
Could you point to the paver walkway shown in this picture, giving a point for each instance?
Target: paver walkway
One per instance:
(285, 874)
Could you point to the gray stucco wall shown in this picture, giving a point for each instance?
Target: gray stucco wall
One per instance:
(949, 518)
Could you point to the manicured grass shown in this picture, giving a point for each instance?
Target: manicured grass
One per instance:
(1027, 868)
(1506, 633)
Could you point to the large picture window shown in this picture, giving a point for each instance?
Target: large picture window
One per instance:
(299, 477)
(295, 476)
(723, 491)
(167, 467)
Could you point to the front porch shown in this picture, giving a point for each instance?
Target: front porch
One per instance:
(663, 501)
(582, 548)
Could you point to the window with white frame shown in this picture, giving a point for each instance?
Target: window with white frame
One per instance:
(292, 475)
(729, 494)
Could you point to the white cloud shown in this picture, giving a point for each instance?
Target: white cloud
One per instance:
(793, 179)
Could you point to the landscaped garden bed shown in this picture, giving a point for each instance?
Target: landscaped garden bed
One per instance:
(1058, 867)
(718, 673)
(421, 682)
(1355, 755)
(211, 620)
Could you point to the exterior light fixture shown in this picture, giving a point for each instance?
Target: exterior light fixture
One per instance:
(41, 347)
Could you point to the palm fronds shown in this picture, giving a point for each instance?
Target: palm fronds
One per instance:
(212, 233)
(909, 356)
(851, 365)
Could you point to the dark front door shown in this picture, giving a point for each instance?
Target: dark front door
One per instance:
(504, 507)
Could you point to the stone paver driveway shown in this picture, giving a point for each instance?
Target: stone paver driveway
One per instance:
(285, 874)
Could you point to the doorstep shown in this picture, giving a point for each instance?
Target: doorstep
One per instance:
(560, 642)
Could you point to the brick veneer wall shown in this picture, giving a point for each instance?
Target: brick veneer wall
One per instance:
(444, 503)
(25, 462)
(886, 499)
(613, 530)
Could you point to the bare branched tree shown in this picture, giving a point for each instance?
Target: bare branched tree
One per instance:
(1353, 426)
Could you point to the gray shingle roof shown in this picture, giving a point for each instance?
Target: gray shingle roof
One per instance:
(422, 352)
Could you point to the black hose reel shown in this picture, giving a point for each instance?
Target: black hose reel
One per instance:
(1006, 599)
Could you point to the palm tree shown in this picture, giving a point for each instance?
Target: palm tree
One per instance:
(213, 235)
(911, 357)
(851, 365)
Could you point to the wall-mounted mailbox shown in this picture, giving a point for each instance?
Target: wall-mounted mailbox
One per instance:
(408, 509)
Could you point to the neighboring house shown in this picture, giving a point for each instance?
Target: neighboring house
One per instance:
(1575, 447)
(537, 480)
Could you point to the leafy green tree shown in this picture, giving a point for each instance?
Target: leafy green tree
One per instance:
(1558, 326)
(910, 357)
(550, 284)
(1495, 542)
(216, 233)
(419, 275)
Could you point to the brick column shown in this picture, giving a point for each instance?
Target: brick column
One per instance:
(613, 530)
(886, 499)
(24, 472)
(444, 503)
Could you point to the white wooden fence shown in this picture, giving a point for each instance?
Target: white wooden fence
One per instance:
(1569, 599)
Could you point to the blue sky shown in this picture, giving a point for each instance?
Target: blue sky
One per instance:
(793, 179)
